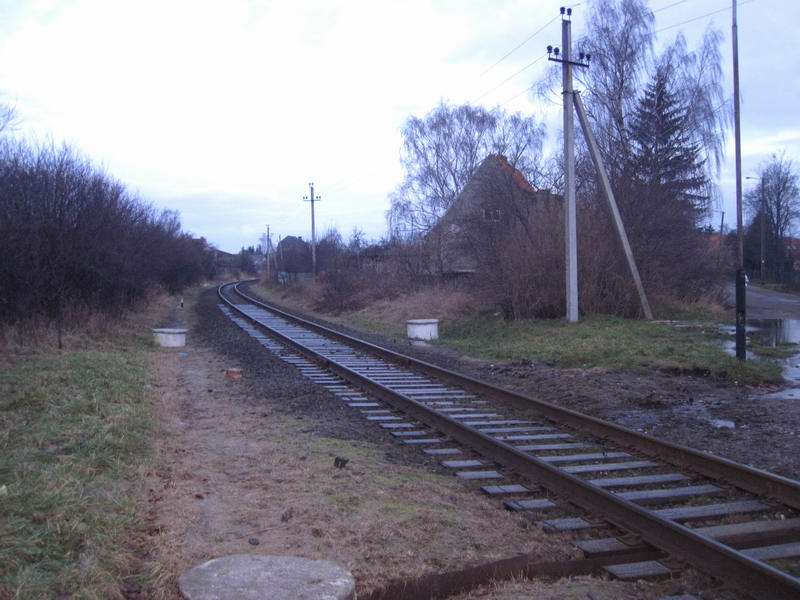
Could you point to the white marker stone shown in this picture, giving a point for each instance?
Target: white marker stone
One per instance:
(256, 577)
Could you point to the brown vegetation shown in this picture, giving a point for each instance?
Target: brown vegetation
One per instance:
(75, 241)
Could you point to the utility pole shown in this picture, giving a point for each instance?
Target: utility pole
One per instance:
(268, 252)
(762, 218)
(313, 199)
(570, 210)
(572, 101)
(741, 290)
(280, 256)
(763, 199)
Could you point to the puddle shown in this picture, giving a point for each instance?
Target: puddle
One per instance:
(722, 424)
(773, 333)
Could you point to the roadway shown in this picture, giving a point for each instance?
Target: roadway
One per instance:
(763, 303)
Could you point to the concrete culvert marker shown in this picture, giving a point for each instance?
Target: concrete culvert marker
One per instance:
(168, 337)
(257, 577)
(422, 329)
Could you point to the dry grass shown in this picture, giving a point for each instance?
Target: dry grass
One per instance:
(86, 329)
(386, 316)
(590, 588)
(233, 468)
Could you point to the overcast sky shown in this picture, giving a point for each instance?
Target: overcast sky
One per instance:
(225, 110)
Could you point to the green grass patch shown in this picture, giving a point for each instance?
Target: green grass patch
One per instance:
(74, 430)
(607, 342)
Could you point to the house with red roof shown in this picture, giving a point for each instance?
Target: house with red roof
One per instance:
(491, 197)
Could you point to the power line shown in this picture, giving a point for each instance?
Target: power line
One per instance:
(701, 17)
(521, 44)
(514, 97)
(507, 79)
(670, 6)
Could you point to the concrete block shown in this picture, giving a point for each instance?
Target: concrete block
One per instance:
(257, 577)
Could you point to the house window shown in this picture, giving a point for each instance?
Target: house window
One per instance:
(491, 214)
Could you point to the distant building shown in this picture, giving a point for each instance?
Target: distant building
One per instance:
(293, 257)
(495, 192)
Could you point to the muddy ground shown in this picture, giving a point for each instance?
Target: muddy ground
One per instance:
(684, 409)
(247, 467)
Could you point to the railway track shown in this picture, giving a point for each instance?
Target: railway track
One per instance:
(569, 471)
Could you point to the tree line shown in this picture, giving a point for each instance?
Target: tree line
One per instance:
(73, 238)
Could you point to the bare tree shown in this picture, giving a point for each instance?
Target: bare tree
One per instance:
(442, 150)
(620, 38)
(777, 198)
(73, 239)
(8, 117)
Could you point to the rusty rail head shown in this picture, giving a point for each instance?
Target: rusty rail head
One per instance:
(702, 552)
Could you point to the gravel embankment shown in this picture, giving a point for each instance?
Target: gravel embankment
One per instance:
(280, 384)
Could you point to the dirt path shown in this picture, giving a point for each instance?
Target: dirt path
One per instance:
(236, 476)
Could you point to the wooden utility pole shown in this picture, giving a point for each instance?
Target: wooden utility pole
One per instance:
(741, 290)
(594, 150)
(313, 199)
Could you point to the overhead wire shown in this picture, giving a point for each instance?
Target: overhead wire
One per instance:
(514, 49)
(714, 12)
(543, 27)
(515, 97)
(507, 79)
(670, 6)
(521, 44)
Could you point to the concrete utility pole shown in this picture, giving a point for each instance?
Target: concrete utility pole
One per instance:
(313, 199)
(741, 290)
(570, 214)
(280, 256)
(594, 150)
(763, 199)
(570, 209)
(573, 101)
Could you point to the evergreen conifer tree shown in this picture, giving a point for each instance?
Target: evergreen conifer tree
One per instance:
(668, 165)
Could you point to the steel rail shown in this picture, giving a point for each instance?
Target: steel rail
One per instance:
(704, 553)
(751, 479)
